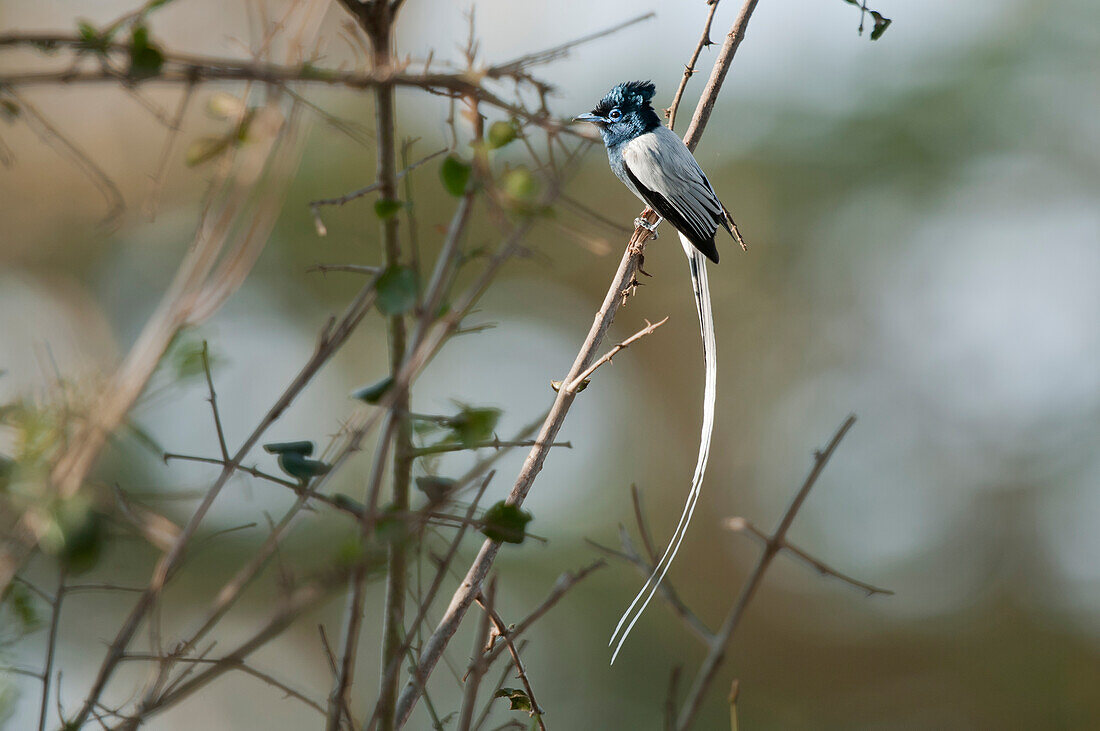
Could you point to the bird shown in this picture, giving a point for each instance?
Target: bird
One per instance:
(656, 165)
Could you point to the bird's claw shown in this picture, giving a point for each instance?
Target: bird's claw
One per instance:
(651, 227)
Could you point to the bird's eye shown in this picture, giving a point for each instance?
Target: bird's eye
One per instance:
(614, 114)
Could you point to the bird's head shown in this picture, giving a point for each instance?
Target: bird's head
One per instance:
(624, 112)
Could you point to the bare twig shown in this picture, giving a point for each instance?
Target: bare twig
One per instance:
(717, 651)
(521, 672)
(689, 69)
(575, 383)
(51, 648)
(493, 444)
(478, 668)
(315, 206)
(741, 525)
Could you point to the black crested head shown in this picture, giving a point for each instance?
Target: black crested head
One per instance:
(628, 110)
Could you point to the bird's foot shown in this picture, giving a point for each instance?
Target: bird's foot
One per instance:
(651, 227)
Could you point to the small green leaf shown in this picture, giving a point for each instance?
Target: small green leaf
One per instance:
(146, 58)
(91, 38)
(387, 209)
(303, 448)
(455, 174)
(205, 149)
(298, 465)
(505, 523)
(520, 184)
(435, 488)
(374, 392)
(501, 133)
(21, 602)
(397, 288)
(472, 426)
(519, 699)
(75, 533)
(881, 24)
(348, 503)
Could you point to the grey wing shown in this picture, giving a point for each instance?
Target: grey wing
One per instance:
(670, 180)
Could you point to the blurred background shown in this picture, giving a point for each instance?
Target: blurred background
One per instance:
(924, 252)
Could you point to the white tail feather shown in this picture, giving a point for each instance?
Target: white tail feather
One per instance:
(699, 283)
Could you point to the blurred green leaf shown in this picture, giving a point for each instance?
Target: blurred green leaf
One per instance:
(435, 488)
(75, 535)
(455, 175)
(387, 209)
(298, 465)
(505, 523)
(373, 392)
(22, 604)
(517, 697)
(146, 58)
(520, 184)
(348, 503)
(472, 426)
(501, 133)
(397, 288)
(205, 149)
(91, 38)
(303, 448)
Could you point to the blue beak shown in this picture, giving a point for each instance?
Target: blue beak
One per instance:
(590, 117)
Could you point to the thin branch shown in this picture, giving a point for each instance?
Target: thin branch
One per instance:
(689, 70)
(51, 649)
(742, 525)
(630, 555)
(521, 672)
(562, 586)
(478, 668)
(577, 382)
(329, 344)
(315, 206)
(214, 402)
(494, 444)
(717, 651)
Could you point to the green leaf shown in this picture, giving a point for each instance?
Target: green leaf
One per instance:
(881, 24)
(91, 38)
(519, 699)
(303, 448)
(146, 58)
(205, 149)
(373, 392)
(505, 523)
(298, 465)
(75, 533)
(348, 503)
(520, 184)
(455, 174)
(387, 209)
(472, 426)
(435, 488)
(501, 133)
(21, 602)
(397, 288)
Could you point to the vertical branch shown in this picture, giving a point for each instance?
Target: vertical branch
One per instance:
(717, 652)
(51, 649)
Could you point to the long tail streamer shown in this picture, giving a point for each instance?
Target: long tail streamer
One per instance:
(698, 264)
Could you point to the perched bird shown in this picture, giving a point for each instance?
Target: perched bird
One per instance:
(656, 165)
